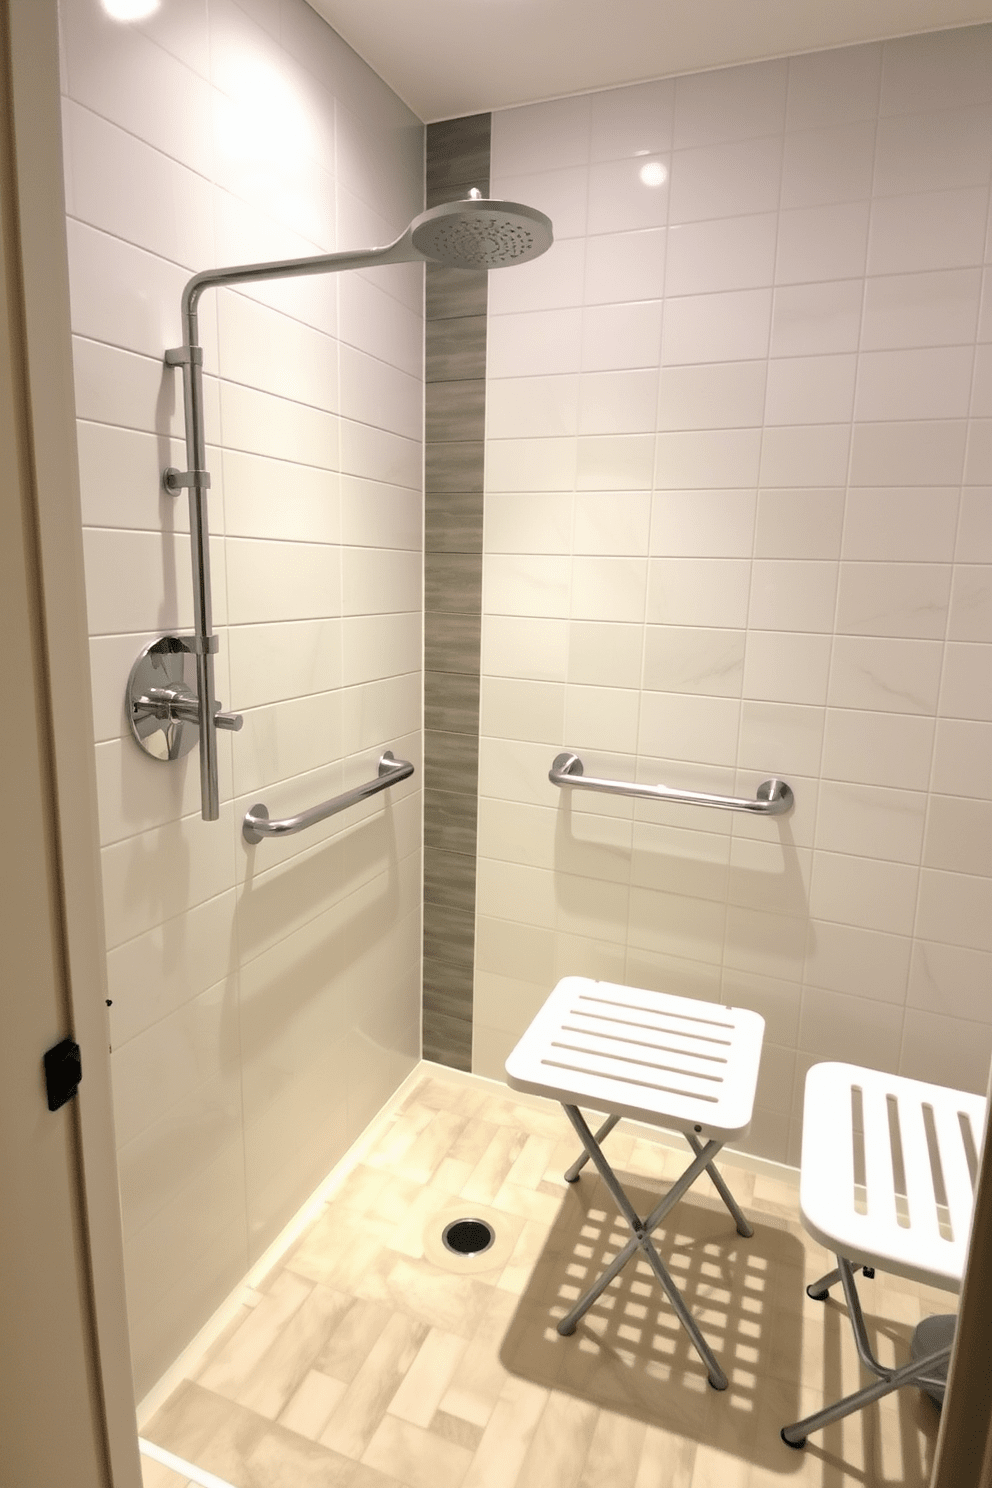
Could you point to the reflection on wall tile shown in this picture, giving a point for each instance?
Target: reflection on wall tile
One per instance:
(818, 590)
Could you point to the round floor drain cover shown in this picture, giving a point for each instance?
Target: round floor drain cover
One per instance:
(468, 1237)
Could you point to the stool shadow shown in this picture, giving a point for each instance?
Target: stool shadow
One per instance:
(630, 1354)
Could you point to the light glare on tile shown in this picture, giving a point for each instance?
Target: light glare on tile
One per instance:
(130, 10)
(654, 173)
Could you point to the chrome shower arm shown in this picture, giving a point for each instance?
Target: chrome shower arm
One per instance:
(196, 479)
(399, 251)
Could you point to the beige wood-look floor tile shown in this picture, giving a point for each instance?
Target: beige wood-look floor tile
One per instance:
(530, 1166)
(505, 1442)
(360, 1189)
(157, 1475)
(363, 1405)
(489, 1173)
(716, 1469)
(228, 1371)
(283, 1367)
(444, 1095)
(417, 1457)
(204, 1428)
(526, 1254)
(454, 1429)
(527, 1203)
(428, 1377)
(433, 1144)
(667, 1460)
(475, 1138)
(558, 1451)
(309, 1409)
(436, 1298)
(363, 1476)
(481, 1378)
(395, 1142)
(407, 1236)
(339, 1249)
(282, 1459)
(615, 1452)
(352, 1341)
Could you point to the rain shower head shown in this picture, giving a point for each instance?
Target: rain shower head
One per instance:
(479, 234)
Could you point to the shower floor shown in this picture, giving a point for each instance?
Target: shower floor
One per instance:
(370, 1357)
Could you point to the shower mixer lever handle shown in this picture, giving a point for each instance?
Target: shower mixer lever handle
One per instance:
(180, 704)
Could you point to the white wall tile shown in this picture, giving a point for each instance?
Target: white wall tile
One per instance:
(810, 390)
(868, 963)
(793, 596)
(786, 668)
(534, 343)
(719, 395)
(877, 748)
(717, 327)
(828, 165)
(934, 309)
(707, 256)
(834, 87)
(624, 266)
(555, 280)
(806, 514)
(901, 524)
(935, 230)
(828, 242)
(698, 591)
(541, 135)
(710, 524)
(949, 69)
(932, 384)
(893, 599)
(693, 660)
(962, 757)
(632, 121)
(815, 319)
(799, 524)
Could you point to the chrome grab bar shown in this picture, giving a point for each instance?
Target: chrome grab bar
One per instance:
(773, 797)
(256, 824)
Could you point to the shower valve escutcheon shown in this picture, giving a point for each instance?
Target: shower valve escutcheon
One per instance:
(161, 702)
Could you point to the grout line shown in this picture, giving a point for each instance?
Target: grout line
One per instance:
(179, 1465)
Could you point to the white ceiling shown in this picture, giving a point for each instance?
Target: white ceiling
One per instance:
(451, 57)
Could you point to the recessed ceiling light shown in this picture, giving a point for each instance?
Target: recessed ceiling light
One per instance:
(130, 10)
(654, 173)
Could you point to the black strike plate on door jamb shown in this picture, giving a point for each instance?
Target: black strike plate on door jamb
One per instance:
(63, 1072)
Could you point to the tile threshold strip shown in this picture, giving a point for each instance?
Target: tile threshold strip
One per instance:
(185, 1469)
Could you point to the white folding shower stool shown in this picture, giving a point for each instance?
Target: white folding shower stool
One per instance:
(673, 1062)
(887, 1179)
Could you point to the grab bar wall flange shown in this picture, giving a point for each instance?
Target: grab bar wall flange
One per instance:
(257, 825)
(772, 798)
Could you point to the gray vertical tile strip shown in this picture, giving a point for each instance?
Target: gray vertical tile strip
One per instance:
(456, 303)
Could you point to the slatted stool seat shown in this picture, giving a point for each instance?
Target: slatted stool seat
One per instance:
(672, 1062)
(887, 1180)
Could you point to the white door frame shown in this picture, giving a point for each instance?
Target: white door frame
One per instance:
(66, 1392)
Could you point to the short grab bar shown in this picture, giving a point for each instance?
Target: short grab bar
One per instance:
(773, 797)
(256, 824)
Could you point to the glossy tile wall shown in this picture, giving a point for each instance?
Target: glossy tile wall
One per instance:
(737, 523)
(265, 1000)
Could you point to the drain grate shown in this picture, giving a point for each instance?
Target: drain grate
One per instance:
(468, 1237)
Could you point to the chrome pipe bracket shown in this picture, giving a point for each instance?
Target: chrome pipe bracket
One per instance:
(184, 356)
(162, 706)
(175, 480)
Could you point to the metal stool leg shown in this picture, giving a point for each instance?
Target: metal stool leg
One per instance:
(910, 1374)
(819, 1290)
(583, 1158)
(743, 1227)
(640, 1239)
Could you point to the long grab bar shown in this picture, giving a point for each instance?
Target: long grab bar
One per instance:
(773, 797)
(256, 824)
